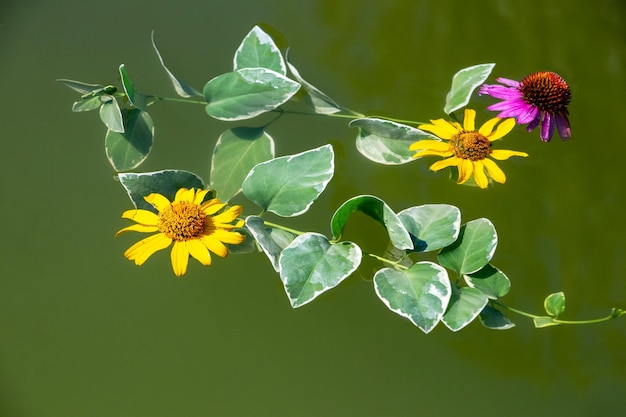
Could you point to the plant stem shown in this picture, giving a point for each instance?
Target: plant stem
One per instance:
(286, 229)
(615, 313)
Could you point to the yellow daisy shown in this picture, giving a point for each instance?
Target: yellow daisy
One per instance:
(194, 226)
(467, 148)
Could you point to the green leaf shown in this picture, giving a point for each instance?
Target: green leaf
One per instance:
(465, 304)
(376, 209)
(287, 186)
(387, 142)
(166, 183)
(246, 93)
(182, 88)
(420, 293)
(81, 87)
(473, 249)
(313, 97)
(494, 319)
(236, 152)
(431, 226)
(135, 98)
(87, 104)
(464, 83)
(555, 304)
(490, 281)
(110, 114)
(544, 321)
(272, 241)
(258, 50)
(311, 265)
(129, 149)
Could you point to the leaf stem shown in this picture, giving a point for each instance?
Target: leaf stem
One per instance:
(286, 229)
(615, 313)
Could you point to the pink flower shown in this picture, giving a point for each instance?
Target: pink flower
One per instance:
(540, 98)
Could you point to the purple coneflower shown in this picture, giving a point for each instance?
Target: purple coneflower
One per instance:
(541, 97)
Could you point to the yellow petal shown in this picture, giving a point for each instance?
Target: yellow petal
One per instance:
(468, 120)
(185, 195)
(199, 251)
(212, 206)
(479, 174)
(466, 167)
(180, 258)
(441, 128)
(494, 171)
(144, 217)
(501, 154)
(227, 216)
(434, 145)
(214, 245)
(503, 128)
(488, 126)
(143, 249)
(227, 236)
(138, 228)
(159, 202)
(444, 163)
(429, 153)
(200, 194)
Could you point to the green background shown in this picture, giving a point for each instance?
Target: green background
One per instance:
(84, 332)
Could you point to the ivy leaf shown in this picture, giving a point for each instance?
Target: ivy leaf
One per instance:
(272, 241)
(554, 304)
(544, 321)
(236, 152)
(431, 226)
(288, 185)
(246, 93)
(490, 281)
(465, 305)
(492, 318)
(129, 149)
(376, 209)
(311, 265)
(387, 142)
(136, 99)
(464, 83)
(258, 50)
(181, 88)
(473, 249)
(420, 293)
(110, 114)
(166, 183)
(313, 97)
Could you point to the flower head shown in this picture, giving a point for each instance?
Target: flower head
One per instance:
(540, 98)
(195, 226)
(467, 148)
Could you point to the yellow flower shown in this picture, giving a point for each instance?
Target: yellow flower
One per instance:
(194, 226)
(467, 148)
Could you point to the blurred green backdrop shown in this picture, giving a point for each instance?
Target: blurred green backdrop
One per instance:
(83, 332)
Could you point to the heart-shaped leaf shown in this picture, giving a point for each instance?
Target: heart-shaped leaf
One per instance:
(272, 241)
(387, 142)
(166, 183)
(246, 93)
(473, 249)
(288, 185)
(464, 83)
(129, 149)
(465, 304)
(236, 152)
(258, 50)
(311, 265)
(420, 293)
(376, 209)
(431, 226)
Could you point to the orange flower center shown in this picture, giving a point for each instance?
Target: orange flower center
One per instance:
(546, 91)
(470, 145)
(183, 221)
